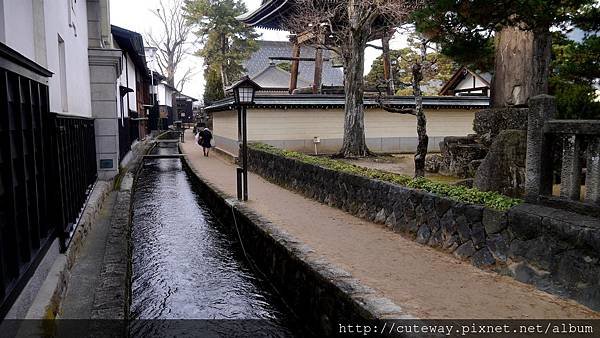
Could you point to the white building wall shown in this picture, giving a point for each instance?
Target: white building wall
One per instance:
(467, 82)
(2, 35)
(295, 129)
(75, 38)
(59, 19)
(127, 79)
(131, 73)
(17, 23)
(165, 95)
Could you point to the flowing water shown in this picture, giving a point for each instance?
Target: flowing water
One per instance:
(185, 266)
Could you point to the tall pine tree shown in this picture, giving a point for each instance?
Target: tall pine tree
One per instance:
(226, 41)
(213, 88)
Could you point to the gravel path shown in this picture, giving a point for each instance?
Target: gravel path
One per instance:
(425, 282)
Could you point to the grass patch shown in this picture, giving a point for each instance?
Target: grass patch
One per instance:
(489, 199)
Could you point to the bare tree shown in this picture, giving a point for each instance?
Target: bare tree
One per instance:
(345, 26)
(172, 41)
(421, 65)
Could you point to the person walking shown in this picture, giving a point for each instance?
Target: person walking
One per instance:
(205, 141)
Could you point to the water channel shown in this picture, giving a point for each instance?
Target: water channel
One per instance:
(186, 266)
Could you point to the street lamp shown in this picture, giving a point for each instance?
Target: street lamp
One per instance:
(243, 93)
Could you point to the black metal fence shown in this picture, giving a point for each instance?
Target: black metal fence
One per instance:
(25, 232)
(47, 167)
(73, 171)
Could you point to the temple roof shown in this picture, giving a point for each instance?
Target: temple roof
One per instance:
(269, 15)
(272, 13)
(259, 62)
(273, 77)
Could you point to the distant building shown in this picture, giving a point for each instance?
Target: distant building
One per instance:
(466, 82)
(134, 84)
(162, 115)
(184, 108)
(165, 94)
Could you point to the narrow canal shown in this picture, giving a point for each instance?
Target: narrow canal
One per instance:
(186, 266)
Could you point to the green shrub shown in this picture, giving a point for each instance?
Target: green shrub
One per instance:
(458, 193)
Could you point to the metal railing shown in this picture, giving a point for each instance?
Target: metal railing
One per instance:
(578, 143)
(25, 232)
(74, 171)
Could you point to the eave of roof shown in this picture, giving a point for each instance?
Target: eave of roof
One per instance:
(185, 97)
(337, 101)
(133, 43)
(21, 60)
(268, 15)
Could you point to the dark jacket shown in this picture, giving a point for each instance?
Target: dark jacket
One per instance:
(205, 138)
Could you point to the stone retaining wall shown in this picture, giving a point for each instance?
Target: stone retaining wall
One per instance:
(554, 250)
(321, 294)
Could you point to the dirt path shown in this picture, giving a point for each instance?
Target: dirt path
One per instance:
(424, 282)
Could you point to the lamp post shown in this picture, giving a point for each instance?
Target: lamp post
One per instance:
(243, 93)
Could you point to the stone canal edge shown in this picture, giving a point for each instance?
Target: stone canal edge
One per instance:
(323, 294)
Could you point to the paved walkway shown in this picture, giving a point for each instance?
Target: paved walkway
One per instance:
(79, 299)
(424, 282)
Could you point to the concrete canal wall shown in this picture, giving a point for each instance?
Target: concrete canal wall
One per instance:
(557, 251)
(323, 295)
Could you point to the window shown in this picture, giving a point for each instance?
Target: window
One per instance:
(62, 68)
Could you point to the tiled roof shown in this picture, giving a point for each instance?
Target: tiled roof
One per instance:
(274, 77)
(259, 62)
(337, 101)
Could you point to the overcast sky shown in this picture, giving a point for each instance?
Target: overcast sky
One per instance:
(135, 15)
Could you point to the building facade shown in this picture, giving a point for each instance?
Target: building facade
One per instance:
(62, 80)
(185, 108)
(134, 85)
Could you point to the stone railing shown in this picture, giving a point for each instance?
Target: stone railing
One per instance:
(576, 137)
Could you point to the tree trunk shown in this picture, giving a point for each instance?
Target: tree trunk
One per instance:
(388, 74)
(354, 144)
(423, 139)
(522, 65)
(224, 50)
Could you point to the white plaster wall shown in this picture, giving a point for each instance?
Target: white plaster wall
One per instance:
(17, 23)
(294, 129)
(300, 124)
(76, 44)
(131, 72)
(127, 79)
(2, 22)
(165, 95)
(19, 34)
